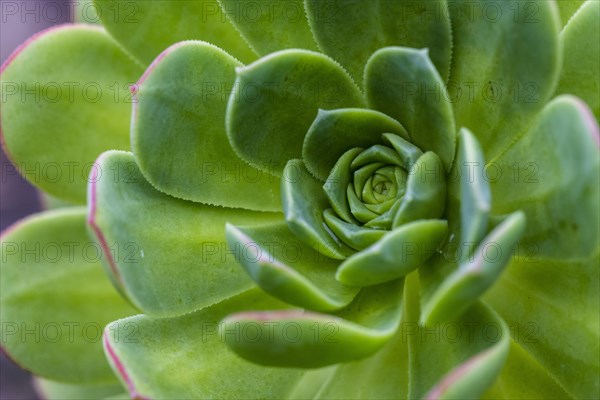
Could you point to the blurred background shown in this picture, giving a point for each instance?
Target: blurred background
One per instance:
(18, 21)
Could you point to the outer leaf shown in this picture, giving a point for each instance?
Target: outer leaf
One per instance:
(287, 268)
(185, 358)
(542, 300)
(580, 74)
(395, 254)
(296, 338)
(56, 299)
(404, 84)
(552, 175)
(270, 26)
(275, 100)
(57, 90)
(304, 202)
(351, 30)
(495, 102)
(567, 9)
(334, 132)
(182, 99)
(51, 390)
(176, 259)
(146, 28)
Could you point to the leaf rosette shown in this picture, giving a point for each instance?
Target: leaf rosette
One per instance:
(314, 193)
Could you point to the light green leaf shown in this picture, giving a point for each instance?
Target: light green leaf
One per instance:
(355, 236)
(475, 196)
(476, 275)
(56, 298)
(182, 99)
(295, 338)
(404, 84)
(174, 258)
(349, 31)
(185, 357)
(269, 26)
(553, 309)
(567, 9)
(288, 269)
(52, 390)
(395, 255)
(57, 90)
(552, 175)
(580, 41)
(146, 28)
(304, 202)
(336, 185)
(334, 132)
(500, 81)
(275, 101)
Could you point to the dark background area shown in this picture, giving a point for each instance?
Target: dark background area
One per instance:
(17, 197)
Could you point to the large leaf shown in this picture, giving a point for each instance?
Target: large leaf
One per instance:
(146, 28)
(552, 175)
(499, 80)
(568, 8)
(275, 100)
(182, 99)
(185, 357)
(350, 31)
(56, 298)
(57, 90)
(404, 84)
(269, 26)
(580, 40)
(176, 259)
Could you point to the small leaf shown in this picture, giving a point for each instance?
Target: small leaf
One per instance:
(425, 195)
(476, 275)
(580, 74)
(56, 298)
(275, 100)
(270, 26)
(304, 202)
(295, 338)
(174, 257)
(404, 84)
(395, 254)
(57, 90)
(349, 31)
(336, 186)
(353, 235)
(180, 110)
(185, 357)
(334, 132)
(287, 268)
(146, 28)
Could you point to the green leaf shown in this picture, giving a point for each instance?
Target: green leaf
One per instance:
(52, 390)
(475, 196)
(568, 8)
(334, 132)
(270, 26)
(353, 235)
(288, 269)
(146, 28)
(395, 254)
(336, 186)
(56, 298)
(182, 99)
(580, 74)
(500, 81)
(425, 195)
(552, 175)
(349, 31)
(459, 359)
(185, 357)
(295, 338)
(553, 309)
(174, 258)
(476, 275)
(304, 202)
(275, 100)
(404, 84)
(57, 90)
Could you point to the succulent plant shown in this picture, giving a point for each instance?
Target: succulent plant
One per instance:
(308, 199)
